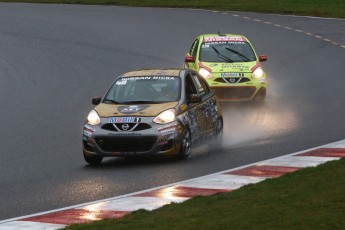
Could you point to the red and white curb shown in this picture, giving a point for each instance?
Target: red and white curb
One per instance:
(154, 198)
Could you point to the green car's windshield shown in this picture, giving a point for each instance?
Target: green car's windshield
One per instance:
(226, 51)
(144, 90)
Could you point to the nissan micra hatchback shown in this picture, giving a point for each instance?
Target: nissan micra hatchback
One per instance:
(152, 112)
(230, 66)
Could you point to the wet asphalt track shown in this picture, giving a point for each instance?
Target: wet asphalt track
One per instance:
(55, 58)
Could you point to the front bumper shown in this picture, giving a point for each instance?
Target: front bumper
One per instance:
(237, 89)
(154, 139)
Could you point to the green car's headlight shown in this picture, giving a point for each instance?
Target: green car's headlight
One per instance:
(93, 118)
(165, 117)
(258, 73)
(205, 73)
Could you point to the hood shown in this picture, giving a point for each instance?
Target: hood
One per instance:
(239, 67)
(142, 110)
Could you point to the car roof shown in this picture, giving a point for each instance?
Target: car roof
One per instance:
(153, 72)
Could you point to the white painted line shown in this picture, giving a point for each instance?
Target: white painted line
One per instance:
(133, 203)
(28, 225)
(222, 181)
(338, 144)
(300, 161)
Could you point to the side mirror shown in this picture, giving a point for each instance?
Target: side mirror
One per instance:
(189, 59)
(195, 98)
(96, 100)
(262, 58)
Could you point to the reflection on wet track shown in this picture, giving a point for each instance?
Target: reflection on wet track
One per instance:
(246, 122)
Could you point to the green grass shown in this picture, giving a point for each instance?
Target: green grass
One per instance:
(312, 198)
(322, 8)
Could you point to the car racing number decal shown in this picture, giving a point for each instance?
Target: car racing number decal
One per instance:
(132, 108)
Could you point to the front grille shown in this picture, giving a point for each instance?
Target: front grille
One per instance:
(139, 127)
(231, 80)
(126, 144)
(234, 93)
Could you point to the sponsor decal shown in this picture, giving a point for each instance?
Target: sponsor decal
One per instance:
(167, 129)
(232, 74)
(172, 125)
(124, 119)
(224, 39)
(183, 107)
(123, 81)
(88, 131)
(213, 65)
(131, 109)
(124, 134)
(151, 78)
(235, 66)
(166, 132)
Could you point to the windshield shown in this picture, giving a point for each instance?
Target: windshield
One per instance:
(145, 89)
(226, 51)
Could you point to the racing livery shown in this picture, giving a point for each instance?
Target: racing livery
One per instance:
(152, 112)
(230, 66)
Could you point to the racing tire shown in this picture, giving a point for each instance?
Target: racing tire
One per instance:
(93, 160)
(185, 144)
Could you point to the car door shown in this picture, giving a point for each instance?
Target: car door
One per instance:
(193, 52)
(208, 104)
(198, 123)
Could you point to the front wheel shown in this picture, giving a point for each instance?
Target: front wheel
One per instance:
(185, 144)
(93, 160)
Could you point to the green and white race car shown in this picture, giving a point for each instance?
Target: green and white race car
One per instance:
(230, 65)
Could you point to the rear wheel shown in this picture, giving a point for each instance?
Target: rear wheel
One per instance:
(93, 160)
(185, 144)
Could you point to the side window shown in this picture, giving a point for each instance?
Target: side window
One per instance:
(200, 84)
(189, 84)
(193, 49)
(204, 84)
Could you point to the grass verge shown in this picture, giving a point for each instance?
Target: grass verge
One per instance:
(312, 198)
(321, 8)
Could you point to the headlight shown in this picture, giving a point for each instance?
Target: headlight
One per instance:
(205, 73)
(165, 117)
(258, 73)
(93, 118)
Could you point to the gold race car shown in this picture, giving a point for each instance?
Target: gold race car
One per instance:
(152, 112)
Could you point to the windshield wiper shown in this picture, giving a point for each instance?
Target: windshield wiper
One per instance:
(222, 56)
(110, 101)
(140, 102)
(238, 53)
